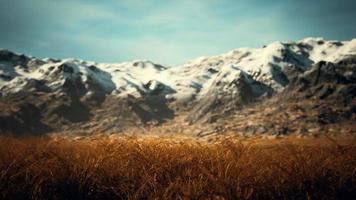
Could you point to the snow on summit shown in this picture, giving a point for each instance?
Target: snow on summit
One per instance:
(184, 83)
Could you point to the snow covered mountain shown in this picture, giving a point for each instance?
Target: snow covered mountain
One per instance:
(265, 65)
(204, 85)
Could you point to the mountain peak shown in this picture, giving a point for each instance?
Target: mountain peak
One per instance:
(207, 84)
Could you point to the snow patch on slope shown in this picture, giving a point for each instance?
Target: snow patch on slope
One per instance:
(185, 83)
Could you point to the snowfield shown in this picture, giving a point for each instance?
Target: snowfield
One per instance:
(181, 83)
(244, 91)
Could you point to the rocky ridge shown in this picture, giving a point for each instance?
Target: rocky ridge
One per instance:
(52, 95)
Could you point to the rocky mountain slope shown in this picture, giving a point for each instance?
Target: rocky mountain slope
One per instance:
(51, 95)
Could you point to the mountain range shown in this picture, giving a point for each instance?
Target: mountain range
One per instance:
(303, 87)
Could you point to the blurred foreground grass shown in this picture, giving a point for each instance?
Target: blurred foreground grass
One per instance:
(177, 168)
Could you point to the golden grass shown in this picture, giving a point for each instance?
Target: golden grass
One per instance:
(167, 168)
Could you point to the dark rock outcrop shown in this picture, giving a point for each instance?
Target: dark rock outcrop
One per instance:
(227, 94)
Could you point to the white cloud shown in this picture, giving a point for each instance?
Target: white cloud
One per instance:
(170, 32)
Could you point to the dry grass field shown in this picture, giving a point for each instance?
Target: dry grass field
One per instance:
(177, 168)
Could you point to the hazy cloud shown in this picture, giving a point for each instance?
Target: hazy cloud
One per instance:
(165, 31)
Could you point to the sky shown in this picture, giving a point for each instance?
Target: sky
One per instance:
(169, 32)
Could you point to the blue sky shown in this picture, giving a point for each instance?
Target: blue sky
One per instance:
(165, 31)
